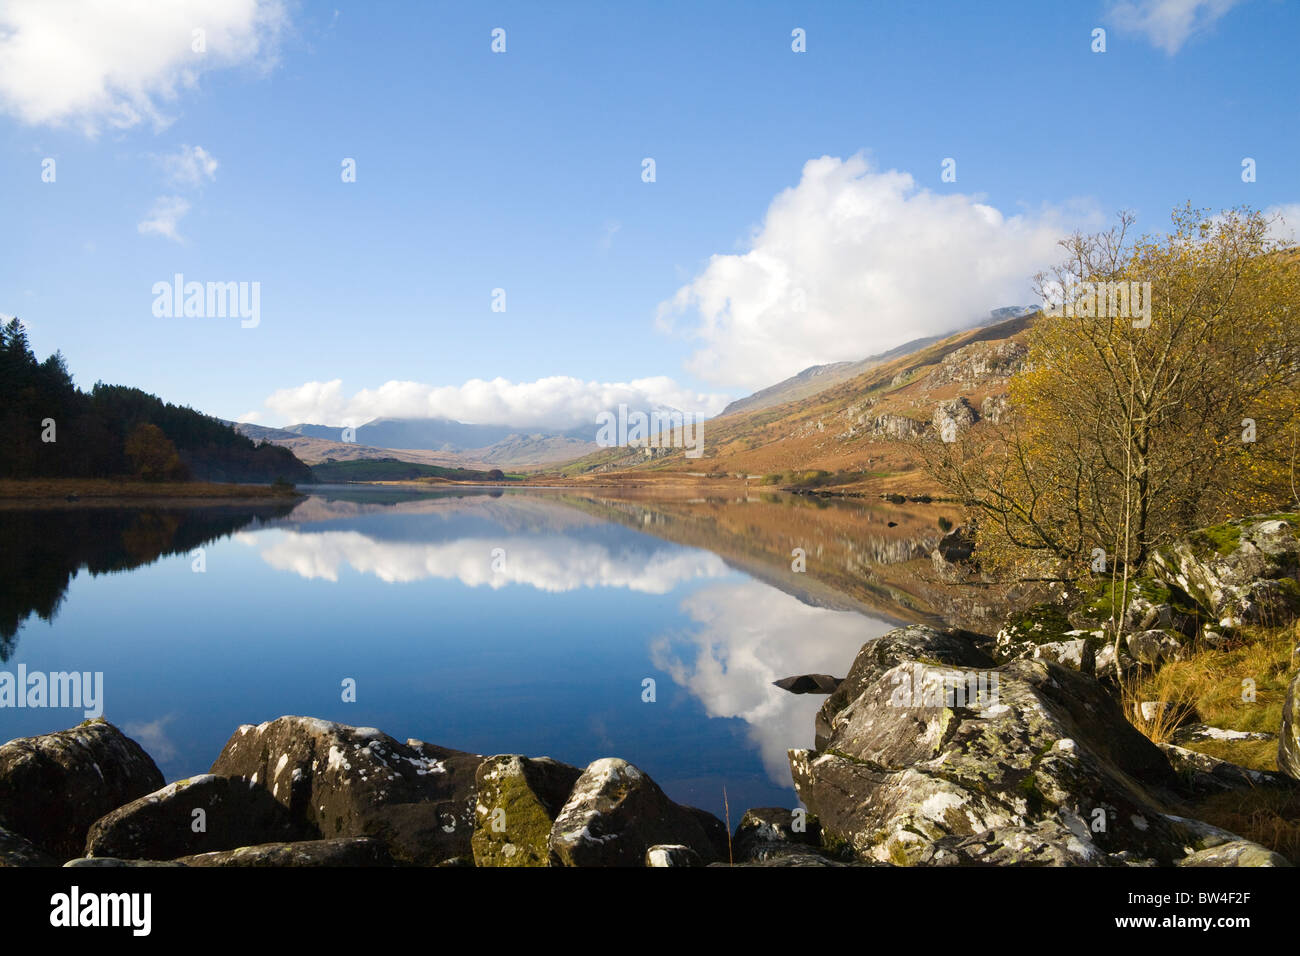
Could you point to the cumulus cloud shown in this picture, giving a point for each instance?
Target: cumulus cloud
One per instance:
(746, 636)
(94, 64)
(557, 402)
(1286, 222)
(1168, 24)
(189, 166)
(553, 564)
(163, 218)
(851, 262)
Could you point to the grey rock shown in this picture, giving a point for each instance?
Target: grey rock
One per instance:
(113, 862)
(809, 684)
(1236, 853)
(672, 854)
(17, 850)
(342, 781)
(1049, 773)
(167, 823)
(1288, 743)
(53, 787)
(346, 851)
(616, 813)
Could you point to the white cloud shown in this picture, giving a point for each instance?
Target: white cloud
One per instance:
(1286, 227)
(96, 64)
(748, 635)
(851, 262)
(1168, 24)
(552, 563)
(189, 166)
(163, 217)
(557, 402)
(152, 735)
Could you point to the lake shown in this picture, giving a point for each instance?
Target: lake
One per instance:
(522, 621)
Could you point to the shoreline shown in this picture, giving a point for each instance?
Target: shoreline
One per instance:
(25, 492)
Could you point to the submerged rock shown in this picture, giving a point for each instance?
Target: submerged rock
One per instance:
(518, 801)
(53, 787)
(342, 781)
(616, 813)
(198, 815)
(809, 684)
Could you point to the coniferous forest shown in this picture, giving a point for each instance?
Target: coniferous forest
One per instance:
(52, 429)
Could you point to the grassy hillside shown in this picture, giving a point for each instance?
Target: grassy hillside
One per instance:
(846, 435)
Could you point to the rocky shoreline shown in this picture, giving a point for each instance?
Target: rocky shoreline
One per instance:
(940, 747)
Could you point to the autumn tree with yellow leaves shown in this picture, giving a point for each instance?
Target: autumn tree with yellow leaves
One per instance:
(1159, 394)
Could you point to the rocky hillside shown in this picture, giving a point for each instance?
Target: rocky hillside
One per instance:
(854, 430)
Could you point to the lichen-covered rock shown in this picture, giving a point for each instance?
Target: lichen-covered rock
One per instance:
(342, 781)
(952, 417)
(672, 854)
(112, 862)
(17, 850)
(768, 832)
(1049, 772)
(518, 801)
(951, 557)
(1236, 853)
(880, 655)
(346, 851)
(197, 815)
(1245, 571)
(53, 787)
(1154, 647)
(1205, 774)
(616, 813)
(1288, 742)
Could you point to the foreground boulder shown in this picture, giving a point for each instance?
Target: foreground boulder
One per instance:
(198, 815)
(518, 801)
(16, 850)
(774, 833)
(931, 758)
(53, 787)
(1245, 571)
(1288, 744)
(348, 851)
(340, 781)
(616, 813)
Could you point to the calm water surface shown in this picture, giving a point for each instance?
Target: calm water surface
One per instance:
(490, 622)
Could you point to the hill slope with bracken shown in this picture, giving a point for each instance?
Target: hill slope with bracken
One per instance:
(855, 431)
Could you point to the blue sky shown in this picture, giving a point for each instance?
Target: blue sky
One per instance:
(522, 171)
